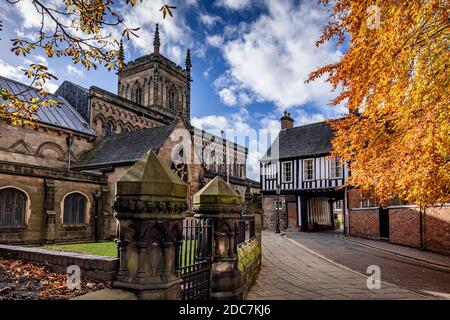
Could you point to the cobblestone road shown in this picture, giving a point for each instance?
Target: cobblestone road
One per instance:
(293, 272)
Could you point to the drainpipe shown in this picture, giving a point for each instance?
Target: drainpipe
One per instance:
(421, 228)
(345, 210)
(97, 195)
(69, 141)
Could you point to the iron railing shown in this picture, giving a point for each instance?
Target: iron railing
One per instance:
(194, 259)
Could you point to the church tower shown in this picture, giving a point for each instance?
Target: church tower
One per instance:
(153, 81)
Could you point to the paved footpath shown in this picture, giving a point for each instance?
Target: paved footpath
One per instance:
(293, 272)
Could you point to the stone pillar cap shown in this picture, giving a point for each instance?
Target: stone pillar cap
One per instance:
(150, 177)
(217, 198)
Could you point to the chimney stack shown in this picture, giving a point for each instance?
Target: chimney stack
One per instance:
(286, 121)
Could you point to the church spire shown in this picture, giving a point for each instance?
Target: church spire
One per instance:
(188, 60)
(156, 41)
(121, 57)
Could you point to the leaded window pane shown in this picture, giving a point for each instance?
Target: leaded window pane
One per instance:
(74, 209)
(12, 207)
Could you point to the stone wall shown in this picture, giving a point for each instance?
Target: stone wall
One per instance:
(249, 263)
(122, 118)
(364, 223)
(269, 215)
(45, 190)
(92, 267)
(43, 146)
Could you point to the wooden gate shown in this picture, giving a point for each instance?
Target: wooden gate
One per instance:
(292, 215)
(194, 259)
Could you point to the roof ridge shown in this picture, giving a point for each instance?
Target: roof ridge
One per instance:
(76, 85)
(308, 125)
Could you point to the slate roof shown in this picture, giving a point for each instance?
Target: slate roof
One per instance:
(64, 115)
(125, 147)
(304, 141)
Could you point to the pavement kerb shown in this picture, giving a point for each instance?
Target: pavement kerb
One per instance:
(432, 265)
(351, 270)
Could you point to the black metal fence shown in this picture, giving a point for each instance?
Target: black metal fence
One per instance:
(194, 259)
(246, 229)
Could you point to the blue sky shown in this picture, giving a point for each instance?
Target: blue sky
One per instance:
(250, 58)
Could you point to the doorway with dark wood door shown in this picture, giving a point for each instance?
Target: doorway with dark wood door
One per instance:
(292, 215)
(384, 223)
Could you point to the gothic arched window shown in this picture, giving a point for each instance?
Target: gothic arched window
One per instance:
(109, 128)
(172, 99)
(74, 209)
(138, 95)
(212, 160)
(12, 207)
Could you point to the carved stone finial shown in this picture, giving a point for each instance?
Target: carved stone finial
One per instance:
(156, 40)
(121, 58)
(217, 198)
(188, 60)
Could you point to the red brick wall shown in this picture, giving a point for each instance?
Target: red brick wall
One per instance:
(404, 226)
(437, 229)
(364, 223)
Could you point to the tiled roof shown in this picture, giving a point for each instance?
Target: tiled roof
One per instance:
(64, 115)
(125, 147)
(310, 140)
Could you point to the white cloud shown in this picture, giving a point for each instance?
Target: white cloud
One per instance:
(74, 71)
(8, 71)
(175, 33)
(234, 4)
(213, 123)
(16, 73)
(232, 92)
(41, 59)
(272, 57)
(215, 41)
(31, 18)
(50, 86)
(301, 117)
(209, 20)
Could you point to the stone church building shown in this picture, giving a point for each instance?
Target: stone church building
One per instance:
(57, 178)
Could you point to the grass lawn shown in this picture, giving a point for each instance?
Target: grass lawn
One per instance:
(108, 249)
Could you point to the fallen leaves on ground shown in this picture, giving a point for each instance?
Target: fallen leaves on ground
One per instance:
(24, 281)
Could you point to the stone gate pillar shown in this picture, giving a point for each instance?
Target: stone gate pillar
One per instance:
(219, 202)
(150, 205)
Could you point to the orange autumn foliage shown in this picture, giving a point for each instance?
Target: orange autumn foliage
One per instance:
(395, 81)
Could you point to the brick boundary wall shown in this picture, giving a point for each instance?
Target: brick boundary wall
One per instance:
(437, 229)
(92, 267)
(404, 226)
(364, 223)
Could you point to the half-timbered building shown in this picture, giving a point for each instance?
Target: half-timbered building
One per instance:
(299, 181)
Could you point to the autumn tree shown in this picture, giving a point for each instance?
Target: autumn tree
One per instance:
(394, 79)
(75, 29)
